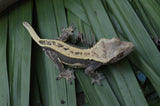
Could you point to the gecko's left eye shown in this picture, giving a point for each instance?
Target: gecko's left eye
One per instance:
(120, 55)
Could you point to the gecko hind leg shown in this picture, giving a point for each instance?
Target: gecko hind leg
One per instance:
(95, 76)
(67, 74)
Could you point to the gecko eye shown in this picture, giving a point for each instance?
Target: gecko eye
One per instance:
(120, 55)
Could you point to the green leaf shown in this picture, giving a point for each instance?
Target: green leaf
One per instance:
(102, 27)
(62, 22)
(53, 92)
(4, 86)
(96, 95)
(135, 31)
(91, 17)
(144, 18)
(35, 98)
(77, 9)
(19, 54)
(152, 8)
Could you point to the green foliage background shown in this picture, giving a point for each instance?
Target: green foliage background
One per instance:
(27, 75)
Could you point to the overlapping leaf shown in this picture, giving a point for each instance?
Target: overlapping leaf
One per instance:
(4, 84)
(135, 31)
(19, 54)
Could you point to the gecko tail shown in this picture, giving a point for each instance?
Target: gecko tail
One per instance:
(32, 32)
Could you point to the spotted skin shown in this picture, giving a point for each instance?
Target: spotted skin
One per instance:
(105, 51)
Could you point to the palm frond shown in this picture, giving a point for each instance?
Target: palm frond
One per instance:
(136, 21)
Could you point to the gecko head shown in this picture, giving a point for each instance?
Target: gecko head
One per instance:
(113, 49)
(120, 49)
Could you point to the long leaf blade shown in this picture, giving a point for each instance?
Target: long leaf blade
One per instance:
(136, 33)
(4, 84)
(62, 22)
(19, 49)
(100, 23)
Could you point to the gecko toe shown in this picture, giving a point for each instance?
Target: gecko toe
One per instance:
(69, 81)
(58, 78)
(97, 79)
(67, 74)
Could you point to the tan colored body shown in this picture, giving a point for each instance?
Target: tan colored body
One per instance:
(105, 51)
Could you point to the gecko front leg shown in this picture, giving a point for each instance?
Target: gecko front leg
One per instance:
(66, 33)
(96, 77)
(67, 74)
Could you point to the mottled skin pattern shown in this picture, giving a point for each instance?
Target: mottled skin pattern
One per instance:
(60, 59)
(106, 51)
